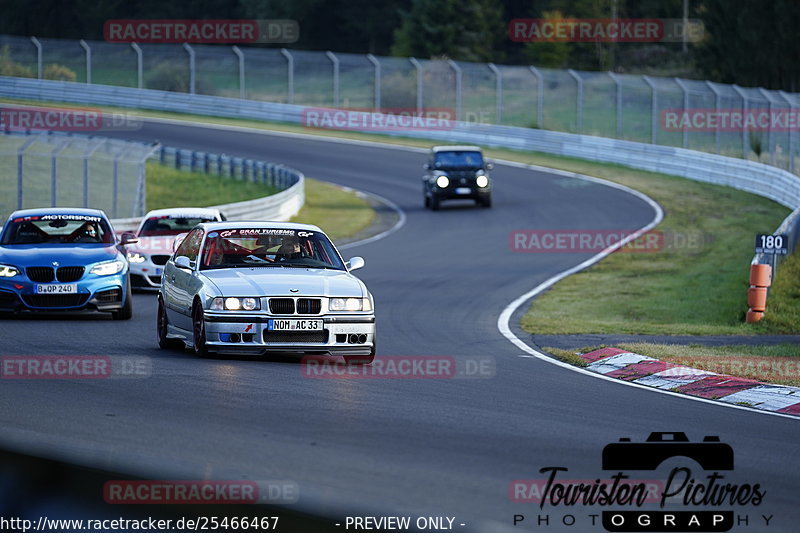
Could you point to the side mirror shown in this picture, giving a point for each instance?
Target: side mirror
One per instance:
(489, 165)
(355, 263)
(127, 238)
(426, 166)
(178, 240)
(183, 263)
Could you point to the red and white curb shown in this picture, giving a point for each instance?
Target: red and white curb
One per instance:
(650, 372)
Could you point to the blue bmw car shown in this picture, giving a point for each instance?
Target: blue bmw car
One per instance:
(63, 259)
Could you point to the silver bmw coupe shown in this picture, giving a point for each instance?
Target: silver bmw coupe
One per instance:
(262, 287)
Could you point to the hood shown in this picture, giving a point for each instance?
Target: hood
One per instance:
(155, 245)
(276, 281)
(25, 255)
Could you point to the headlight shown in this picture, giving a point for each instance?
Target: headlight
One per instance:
(235, 304)
(133, 257)
(7, 271)
(442, 182)
(482, 181)
(350, 304)
(107, 268)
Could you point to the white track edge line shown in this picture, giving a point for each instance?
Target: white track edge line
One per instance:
(503, 321)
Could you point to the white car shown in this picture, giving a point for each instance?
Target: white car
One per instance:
(260, 287)
(156, 234)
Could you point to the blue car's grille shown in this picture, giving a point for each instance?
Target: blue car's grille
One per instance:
(66, 274)
(40, 274)
(55, 300)
(63, 274)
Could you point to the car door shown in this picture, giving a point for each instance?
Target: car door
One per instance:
(181, 281)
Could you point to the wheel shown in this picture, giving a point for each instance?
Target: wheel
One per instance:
(127, 310)
(164, 342)
(361, 359)
(427, 201)
(485, 202)
(199, 332)
(435, 203)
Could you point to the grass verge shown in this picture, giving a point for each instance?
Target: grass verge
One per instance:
(339, 212)
(685, 290)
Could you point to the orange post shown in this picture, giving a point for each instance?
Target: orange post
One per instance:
(760, 279)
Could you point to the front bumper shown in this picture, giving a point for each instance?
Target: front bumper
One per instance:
(461, 193)
(340, 335)
(101, 293)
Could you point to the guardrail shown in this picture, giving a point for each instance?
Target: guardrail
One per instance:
(85, 182)
(757, 178)
(280, 206)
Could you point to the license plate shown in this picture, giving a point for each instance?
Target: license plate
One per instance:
(63, 288)
(463, 190)
(281, 324)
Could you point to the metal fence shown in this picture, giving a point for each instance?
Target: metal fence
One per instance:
(65, 170)
(57, 169)
(606, 104)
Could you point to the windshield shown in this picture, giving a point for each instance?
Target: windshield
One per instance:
(171, 224)
(465, 160)
(263, 247)
(58, 229)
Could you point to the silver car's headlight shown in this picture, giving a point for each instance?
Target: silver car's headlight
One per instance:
(134, 257)
(8, 271)
(108, 268)
(482, 181)
(350, 304)
(442, 182)
(235, 304)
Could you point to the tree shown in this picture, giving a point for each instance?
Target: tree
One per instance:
(466, 30)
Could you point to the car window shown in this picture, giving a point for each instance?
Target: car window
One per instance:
(458, 159)
(269, 247)
(171, 224)
(58, 229)
(190, 247)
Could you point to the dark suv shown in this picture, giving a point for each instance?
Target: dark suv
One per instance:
(457, 173)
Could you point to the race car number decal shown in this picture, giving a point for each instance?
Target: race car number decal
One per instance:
(294, 325)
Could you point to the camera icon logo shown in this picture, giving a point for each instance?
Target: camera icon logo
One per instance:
(710, 454)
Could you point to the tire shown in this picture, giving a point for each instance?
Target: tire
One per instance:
(164, 342)
(126, 313)
(435, 203)
(486, 202)
(361, 359)
(427, 202)
(199, 332)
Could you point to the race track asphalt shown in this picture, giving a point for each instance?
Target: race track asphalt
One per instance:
(415, 446)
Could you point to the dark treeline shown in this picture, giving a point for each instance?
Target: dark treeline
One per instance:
(749, 42)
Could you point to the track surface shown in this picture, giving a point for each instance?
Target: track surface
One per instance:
(400, 446)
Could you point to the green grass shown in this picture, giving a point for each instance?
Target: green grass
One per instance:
(783, 303)
(340, 213)
(698, 290)
(168, 187)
